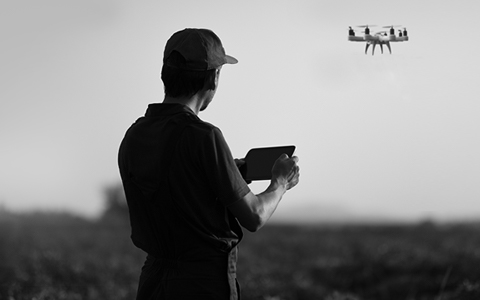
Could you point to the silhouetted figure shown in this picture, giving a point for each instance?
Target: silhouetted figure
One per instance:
(350, 31)
(186, 196)
(404, 31)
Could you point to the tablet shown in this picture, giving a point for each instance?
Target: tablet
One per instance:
(259, 162)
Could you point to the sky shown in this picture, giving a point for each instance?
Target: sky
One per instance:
(390, 135)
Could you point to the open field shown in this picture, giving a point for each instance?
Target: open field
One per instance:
(57, 256)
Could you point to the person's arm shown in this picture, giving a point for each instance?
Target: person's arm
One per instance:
(253, 211)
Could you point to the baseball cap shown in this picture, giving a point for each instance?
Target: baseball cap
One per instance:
(201, 49)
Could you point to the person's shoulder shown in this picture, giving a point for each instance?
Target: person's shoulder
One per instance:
(203, 127)
(199, 134)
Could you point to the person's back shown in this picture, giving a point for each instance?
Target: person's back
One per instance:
(178, 216)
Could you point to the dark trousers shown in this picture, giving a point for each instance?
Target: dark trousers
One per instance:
(212, 279)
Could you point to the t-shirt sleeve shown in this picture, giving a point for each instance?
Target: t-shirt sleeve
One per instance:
(223, 175)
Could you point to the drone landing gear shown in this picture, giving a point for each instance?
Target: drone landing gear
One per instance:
(381, 47)
(388, 45)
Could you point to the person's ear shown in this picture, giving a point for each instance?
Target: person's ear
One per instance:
(217, 77)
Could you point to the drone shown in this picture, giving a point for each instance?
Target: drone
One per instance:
(378, 38)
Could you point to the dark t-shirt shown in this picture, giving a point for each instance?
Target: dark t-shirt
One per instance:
(179, 177)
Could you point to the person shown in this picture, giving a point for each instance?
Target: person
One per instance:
(186, 197)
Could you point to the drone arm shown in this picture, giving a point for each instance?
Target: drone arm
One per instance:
(356, 38)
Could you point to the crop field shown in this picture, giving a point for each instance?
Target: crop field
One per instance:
(59, 256)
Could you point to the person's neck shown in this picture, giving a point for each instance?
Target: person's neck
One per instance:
(192, 102)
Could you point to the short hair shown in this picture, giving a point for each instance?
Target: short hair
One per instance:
(180, 82)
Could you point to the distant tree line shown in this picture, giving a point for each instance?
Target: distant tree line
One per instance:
(116, 208)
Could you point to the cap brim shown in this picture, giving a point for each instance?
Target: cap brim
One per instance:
(230, 60)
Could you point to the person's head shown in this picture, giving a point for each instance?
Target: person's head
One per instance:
(192, 61)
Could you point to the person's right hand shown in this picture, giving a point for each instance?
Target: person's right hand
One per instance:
(286, 171)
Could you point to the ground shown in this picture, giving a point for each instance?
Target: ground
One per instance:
(60, 256)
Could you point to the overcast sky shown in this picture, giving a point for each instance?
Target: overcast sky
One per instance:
(387, 135)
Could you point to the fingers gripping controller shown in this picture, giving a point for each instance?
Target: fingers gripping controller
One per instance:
(286, 171)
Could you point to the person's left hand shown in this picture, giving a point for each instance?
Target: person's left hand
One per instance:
(240, 162)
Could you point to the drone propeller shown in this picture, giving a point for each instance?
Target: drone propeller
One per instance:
(391, 26)
(365, 26)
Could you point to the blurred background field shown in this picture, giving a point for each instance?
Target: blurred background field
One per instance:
(61, 256)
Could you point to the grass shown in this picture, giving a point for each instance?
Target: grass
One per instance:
(363, 262)
(60, 256)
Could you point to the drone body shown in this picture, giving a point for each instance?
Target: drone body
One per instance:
(379, 38)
